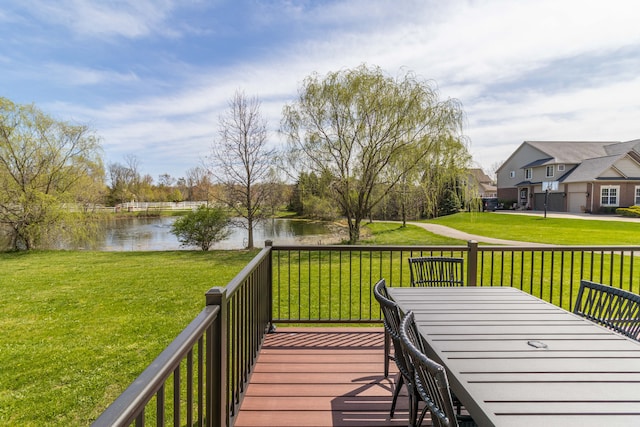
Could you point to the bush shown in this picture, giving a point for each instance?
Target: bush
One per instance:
(607, 210)
(631, 211)
(319, 208)
(202, 227)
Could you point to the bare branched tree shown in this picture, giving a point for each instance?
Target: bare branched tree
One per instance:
(125, 180)
(241, 161)
(198, 184)
(492, 171)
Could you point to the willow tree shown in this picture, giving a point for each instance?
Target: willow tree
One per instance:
(441, 176)
(46, 167)
(357, 124)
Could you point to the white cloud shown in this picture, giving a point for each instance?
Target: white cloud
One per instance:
(82, 76)
(119, 17)
(604, 113)
(485, 53)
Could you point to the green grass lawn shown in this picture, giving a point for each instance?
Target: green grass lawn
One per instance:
(393, 233)
(559, 231)
(78, 327)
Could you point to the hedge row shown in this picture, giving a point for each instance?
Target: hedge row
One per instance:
(632, 211)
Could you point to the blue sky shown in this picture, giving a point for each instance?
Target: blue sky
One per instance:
(151, 77)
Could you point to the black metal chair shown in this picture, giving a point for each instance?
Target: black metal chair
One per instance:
(391, 318)
(381, 295)
(436, 271)
(611, 307)
(430, 380)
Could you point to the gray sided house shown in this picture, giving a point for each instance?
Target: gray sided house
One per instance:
(573, 176)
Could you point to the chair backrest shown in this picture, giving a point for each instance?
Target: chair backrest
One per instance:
(614, 308)
(391, 319)
(436, 271)
(430, 377)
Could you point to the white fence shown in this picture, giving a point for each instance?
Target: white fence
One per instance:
(156, 206)
(136, 206)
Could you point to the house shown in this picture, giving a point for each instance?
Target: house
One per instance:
(481, 183)
(477, 187)
(572, 176)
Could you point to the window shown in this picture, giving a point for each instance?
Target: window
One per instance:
(609, 195)
(528, 173)
(549, 171)
(637, 199)
(560, 168)
(512, 174)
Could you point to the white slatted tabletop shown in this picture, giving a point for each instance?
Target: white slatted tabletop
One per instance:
(515, 360)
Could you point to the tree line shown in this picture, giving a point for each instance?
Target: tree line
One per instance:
(360, 145)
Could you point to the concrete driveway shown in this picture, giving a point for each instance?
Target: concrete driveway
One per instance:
(569, 215)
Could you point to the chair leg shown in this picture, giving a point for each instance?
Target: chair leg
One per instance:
(386, 352)
(413, 409)
(422, 414)
(396, 392)
(456, 403)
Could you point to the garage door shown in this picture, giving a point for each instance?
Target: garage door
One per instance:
(577, 202)
(555, 202)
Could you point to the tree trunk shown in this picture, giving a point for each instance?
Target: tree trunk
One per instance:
(354, 231)
(250, 232)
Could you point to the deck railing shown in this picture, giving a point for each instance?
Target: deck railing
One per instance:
(192, 351)
(329, 284)
(553, 273)
(215, 353)
(332, 284)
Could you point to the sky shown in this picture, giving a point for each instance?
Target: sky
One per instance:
(152, 77)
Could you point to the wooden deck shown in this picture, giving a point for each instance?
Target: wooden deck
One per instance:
(322, 377)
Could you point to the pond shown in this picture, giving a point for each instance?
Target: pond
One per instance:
(154, 234)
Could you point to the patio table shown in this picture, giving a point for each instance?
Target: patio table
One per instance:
(515, 360)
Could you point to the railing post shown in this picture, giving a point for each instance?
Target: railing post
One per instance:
(472, 263)
(216, 357)
(269, 244)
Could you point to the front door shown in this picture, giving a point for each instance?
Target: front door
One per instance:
(524, 197)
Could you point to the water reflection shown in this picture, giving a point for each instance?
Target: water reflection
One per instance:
(154, 234)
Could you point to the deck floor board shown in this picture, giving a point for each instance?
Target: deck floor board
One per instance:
(321, 377)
